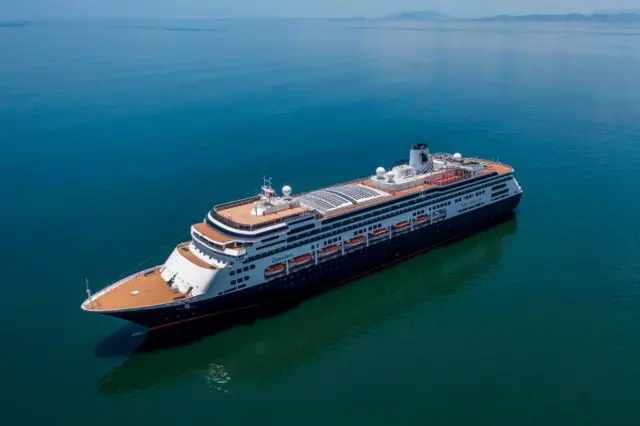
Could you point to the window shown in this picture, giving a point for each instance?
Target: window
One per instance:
(302, 228)
(232, 273)
(238, 271)
(252, 267)
(233, 282)
(504, 191)
(245, 269)
(246, 278)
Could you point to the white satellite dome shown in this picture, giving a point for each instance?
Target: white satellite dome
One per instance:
(380, 172)
(390, 175)
(457, 156)
(286, 190)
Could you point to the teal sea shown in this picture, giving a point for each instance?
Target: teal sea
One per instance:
(116, 136)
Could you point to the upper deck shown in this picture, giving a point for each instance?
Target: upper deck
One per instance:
(240, 214)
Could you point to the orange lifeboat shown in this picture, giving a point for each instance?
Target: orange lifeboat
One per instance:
(300, 260)
(379, 232)
(423, 218)
(328, 250)
(274, 269)
(401, 224)
(355, 241)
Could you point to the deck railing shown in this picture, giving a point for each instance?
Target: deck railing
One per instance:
(230, 222)
(93, 300)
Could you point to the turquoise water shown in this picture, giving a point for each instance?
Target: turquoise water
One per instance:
(117, 135)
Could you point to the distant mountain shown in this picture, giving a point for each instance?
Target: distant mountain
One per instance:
(612, 16)
(420, 16)
(617, 11)
(570, 17)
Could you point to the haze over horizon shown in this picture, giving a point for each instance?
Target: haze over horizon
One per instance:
(210, 9)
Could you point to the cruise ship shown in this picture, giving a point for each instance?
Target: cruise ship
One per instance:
(272, 248)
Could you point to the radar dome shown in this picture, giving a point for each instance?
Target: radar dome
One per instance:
(457, 156)
(380, 172)
(286, 190)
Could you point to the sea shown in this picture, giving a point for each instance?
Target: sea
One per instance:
(117, 135)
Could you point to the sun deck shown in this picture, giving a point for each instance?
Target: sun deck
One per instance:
(183, 249)
(212, 234)
(497, 167)
(242, 214)
(144, 289)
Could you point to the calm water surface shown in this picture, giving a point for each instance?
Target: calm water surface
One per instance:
(115, 136)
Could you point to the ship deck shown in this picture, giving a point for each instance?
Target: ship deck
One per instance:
(241, 213)
(150, 287)
(212, 234)
(183, 249)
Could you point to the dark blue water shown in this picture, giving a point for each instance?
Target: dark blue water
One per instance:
(115, 136)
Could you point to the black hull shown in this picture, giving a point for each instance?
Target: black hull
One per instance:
(302, 284)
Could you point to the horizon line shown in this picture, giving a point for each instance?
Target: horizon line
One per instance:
(307, 18)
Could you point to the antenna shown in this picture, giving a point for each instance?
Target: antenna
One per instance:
(267, 190)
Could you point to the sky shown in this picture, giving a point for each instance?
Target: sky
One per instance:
(46, 9)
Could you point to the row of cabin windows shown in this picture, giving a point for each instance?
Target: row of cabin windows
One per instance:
(328, 242)
(495, 188)
(371, 228)
(362, 223)
(421, 212)
(498, 193)
(239, 270)
(472, 207)
(439, 206)
(291, 246)
(466, 197)
(239, 280)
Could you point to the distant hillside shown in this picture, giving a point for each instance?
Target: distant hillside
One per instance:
(570, 17)
(613, 16)
(420, 16)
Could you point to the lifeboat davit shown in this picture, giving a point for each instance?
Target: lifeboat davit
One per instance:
(355, 241)
(274, 269)
(401, 225)
(328, 250)
(422, 218)
(300, 260)
(379, 232)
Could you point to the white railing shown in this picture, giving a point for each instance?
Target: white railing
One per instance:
(94, 298)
